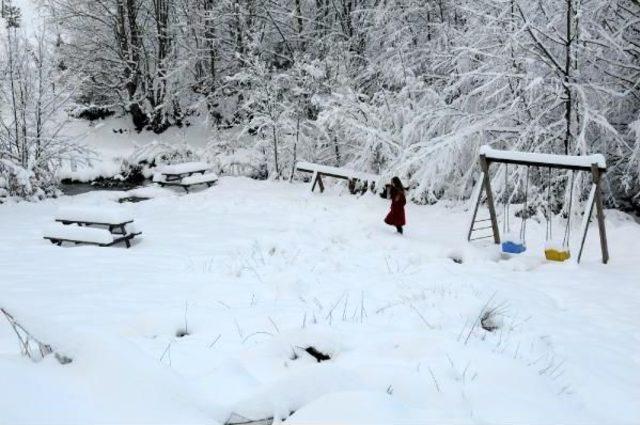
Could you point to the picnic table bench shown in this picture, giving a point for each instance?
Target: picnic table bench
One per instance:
(185, 175)
(353, 177)
(78, 225)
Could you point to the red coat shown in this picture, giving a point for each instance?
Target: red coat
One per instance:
(396, 215)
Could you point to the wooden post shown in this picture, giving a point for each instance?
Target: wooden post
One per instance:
(600, 214)
(484, 166)
(317, 179)
(352, 185)
(586, 219)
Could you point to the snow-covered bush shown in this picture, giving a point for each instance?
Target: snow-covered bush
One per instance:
(17, 182)
(90, 112)
(229, 159)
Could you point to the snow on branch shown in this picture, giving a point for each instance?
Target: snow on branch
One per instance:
(31, 346)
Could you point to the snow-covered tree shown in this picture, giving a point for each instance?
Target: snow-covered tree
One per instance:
(33, 94)
(407, 87)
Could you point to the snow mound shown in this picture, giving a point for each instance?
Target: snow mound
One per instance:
(149, 192)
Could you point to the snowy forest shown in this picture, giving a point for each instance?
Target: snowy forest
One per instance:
(408, 88)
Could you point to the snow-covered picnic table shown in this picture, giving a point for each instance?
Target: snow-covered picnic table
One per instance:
(353, 176)
(93, 215)
(176, 172)
(185, 175)
(77, 225)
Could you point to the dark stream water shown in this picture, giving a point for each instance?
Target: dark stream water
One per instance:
(80, 188)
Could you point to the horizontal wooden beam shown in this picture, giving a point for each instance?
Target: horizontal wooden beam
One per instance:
(544, 164)
(341, 173)
(534, 159)
(322, 173)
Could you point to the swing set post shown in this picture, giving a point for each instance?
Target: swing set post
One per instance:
(595, 199)
(604, 247)
(484, 166)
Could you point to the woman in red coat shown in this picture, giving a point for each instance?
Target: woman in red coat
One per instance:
(398, 201)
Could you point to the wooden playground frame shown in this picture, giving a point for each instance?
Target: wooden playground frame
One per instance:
(595, 164)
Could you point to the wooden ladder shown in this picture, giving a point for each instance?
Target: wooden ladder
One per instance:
(479, 224)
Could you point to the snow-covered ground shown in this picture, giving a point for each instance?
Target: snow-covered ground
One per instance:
(256, 272)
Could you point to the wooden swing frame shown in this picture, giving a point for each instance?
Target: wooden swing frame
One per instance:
(597, 168)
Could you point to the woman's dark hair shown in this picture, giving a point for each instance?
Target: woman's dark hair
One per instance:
(397, 184)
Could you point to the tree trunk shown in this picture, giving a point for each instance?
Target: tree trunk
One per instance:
(275, 151)
(295, 144)
(38, 111)
(159, 87)
(298, 24)
(210, 35)
(237, 30)
(130, 45)
(567, 78)
(14, 105)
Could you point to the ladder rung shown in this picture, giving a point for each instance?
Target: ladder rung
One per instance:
(480, 237)
(484, 219)
(482, 228)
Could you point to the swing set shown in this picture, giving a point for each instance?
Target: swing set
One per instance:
(516, 244)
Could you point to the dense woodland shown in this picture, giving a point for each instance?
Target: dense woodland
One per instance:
(405, 87)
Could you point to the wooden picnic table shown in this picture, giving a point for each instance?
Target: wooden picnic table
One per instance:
(93, 226)
(186, 175)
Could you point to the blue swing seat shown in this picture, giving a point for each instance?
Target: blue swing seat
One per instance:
(511, 247)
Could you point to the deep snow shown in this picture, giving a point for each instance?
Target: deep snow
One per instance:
(255, 272)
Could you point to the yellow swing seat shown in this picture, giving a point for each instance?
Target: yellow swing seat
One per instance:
(553, 253)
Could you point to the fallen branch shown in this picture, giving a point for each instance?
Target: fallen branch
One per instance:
(31, 346)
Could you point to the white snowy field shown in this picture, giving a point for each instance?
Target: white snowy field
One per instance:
(259, 271)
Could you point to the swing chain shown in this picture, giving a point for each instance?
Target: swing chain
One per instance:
(567, 232)
(506, 223)
(549, 228)
(525, 213)
(507, 198)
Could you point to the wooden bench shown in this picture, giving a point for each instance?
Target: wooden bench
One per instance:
(185, 175)
(353, 177)
(76, 225)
